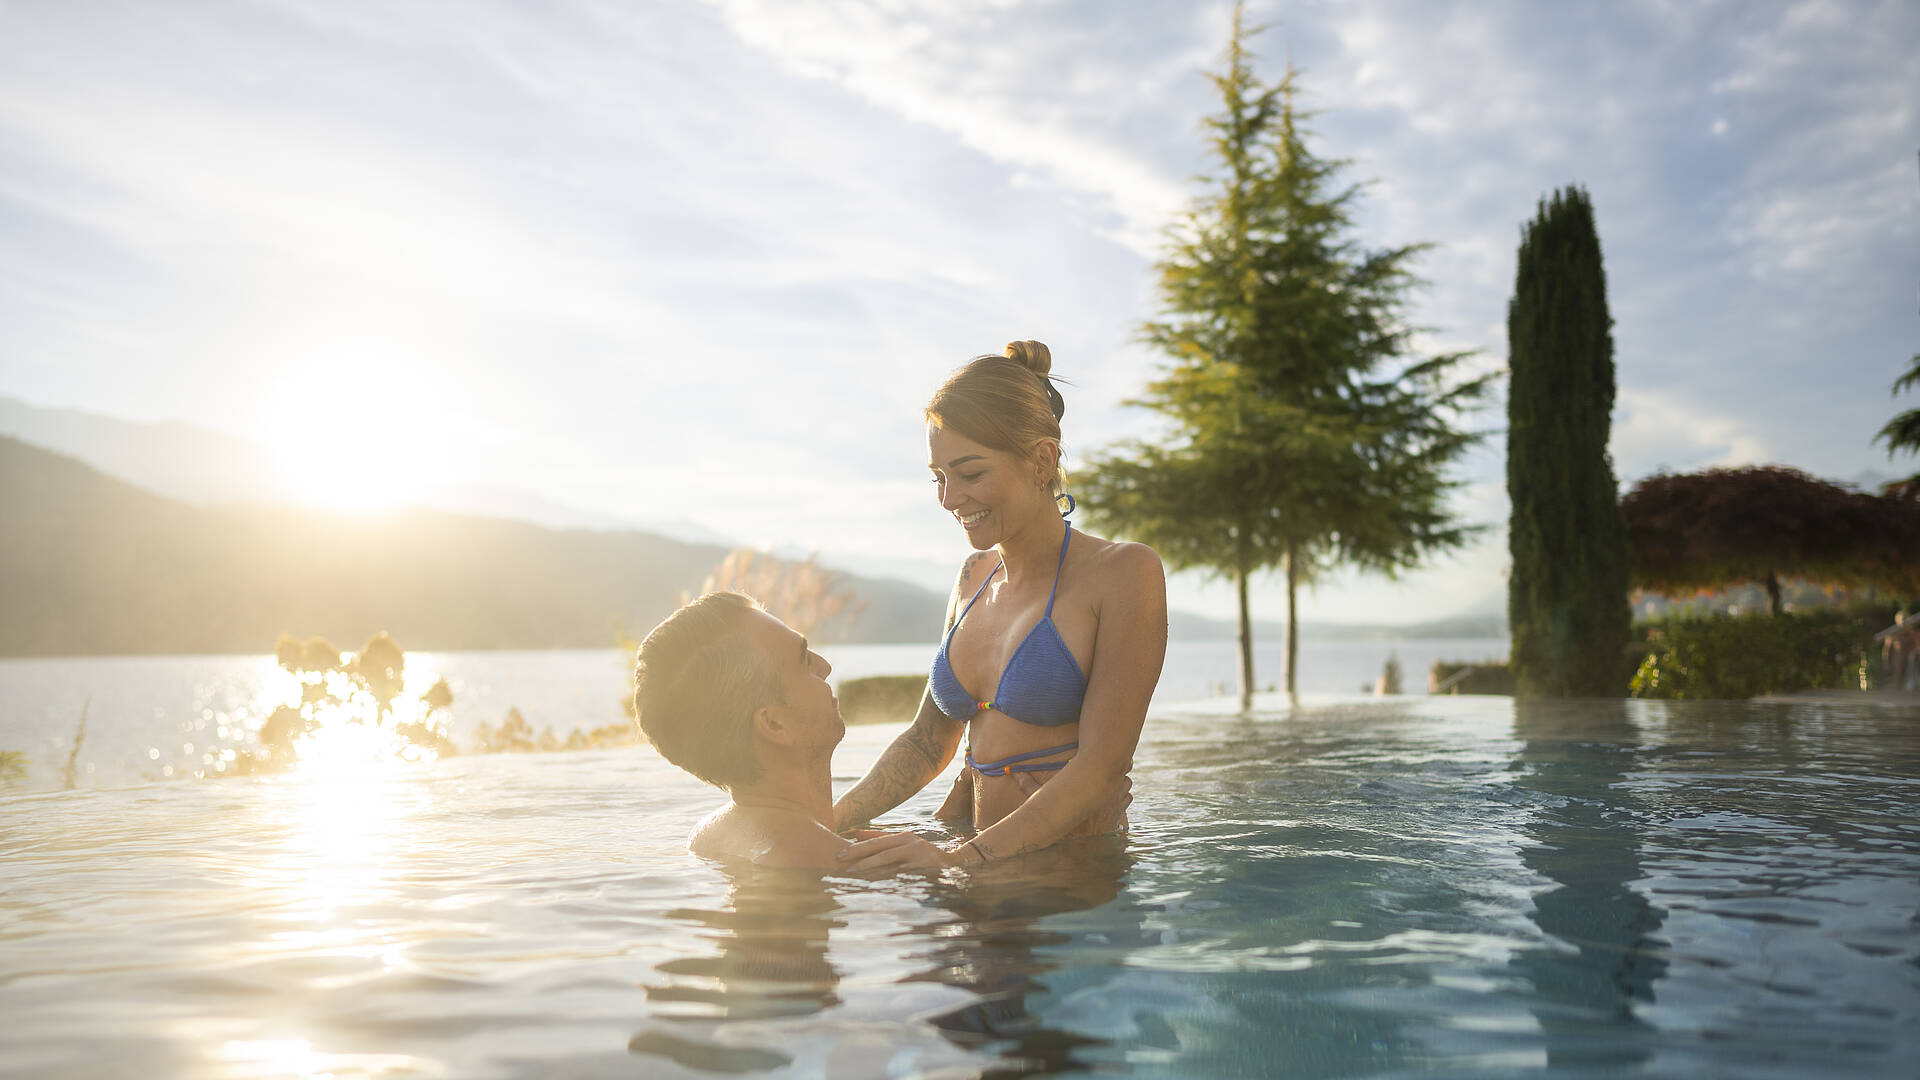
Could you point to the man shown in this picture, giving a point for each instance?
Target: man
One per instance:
(735, 697)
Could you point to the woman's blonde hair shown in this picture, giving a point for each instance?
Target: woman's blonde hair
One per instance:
(1004, 402)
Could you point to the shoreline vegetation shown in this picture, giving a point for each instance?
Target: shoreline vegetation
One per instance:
(1694, 652)
(335, 692)
(332, 692)
(336, 688)
(1691, 654)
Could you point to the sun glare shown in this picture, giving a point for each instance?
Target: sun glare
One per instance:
(245, 1059)
(359, 435)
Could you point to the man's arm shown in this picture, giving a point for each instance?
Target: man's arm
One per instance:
(908, 764)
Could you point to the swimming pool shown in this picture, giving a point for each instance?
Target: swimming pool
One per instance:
(1367, 888)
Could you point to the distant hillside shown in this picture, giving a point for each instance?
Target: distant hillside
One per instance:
(207, 468)
(177, 460)
(93, 565)
(1182, 626)
(196, 465)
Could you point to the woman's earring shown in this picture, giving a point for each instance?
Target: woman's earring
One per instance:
(1069, 500)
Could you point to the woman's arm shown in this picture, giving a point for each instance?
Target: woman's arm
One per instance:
(917, 754)
(1129, 648)
(908, 764)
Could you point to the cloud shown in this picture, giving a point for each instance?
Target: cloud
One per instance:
(1828, 89)
(1026, 97)
(708, 260)
(1655, 432)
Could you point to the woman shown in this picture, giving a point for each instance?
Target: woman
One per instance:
(1054, 638)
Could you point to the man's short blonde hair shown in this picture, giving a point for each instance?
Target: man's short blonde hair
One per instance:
(697, 681)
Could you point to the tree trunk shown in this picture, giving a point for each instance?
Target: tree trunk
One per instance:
(1773, 594)
(1293, 624)
(1246, 630)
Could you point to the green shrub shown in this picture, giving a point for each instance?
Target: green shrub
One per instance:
(1746, 656)
(878, 699)
(1486, 677)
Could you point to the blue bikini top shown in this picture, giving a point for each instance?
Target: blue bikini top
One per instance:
(1042, 684)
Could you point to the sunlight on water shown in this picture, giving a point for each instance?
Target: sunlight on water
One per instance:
(341, 741)
(246, 1059)
(343, 813)
(1422, 887)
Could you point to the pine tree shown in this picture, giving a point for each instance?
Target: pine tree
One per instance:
(1301, 436)
(1902, 433)
(1567, 597)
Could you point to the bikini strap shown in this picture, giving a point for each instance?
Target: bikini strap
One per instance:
(983, 588)
(1012, 764)
(1057, 567)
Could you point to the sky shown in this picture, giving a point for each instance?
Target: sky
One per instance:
(705, 261)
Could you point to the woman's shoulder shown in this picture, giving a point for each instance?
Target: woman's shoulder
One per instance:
(1124, 563)
(974, 569)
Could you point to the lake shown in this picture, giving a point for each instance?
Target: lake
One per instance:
(156, 718)
(1382, 887)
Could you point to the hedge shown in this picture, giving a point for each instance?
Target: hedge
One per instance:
(1747, 656)
(878, 699)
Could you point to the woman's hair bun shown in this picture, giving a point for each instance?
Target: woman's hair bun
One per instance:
(1032, 354)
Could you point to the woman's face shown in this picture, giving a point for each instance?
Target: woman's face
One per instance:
(990, 492)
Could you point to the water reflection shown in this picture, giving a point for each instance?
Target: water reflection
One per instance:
(326, 865)
(1605, 957)
(769, 956)
(765, 957)
(990, 938)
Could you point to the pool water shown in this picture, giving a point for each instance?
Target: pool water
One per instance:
(1416, 886)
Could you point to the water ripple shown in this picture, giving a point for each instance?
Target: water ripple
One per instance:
(1475, 887)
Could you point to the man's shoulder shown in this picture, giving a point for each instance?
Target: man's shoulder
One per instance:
(711, 837)
(736, 833)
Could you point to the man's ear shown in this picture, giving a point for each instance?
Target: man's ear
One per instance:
(770, 723)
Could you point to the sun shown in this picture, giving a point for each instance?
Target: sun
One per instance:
(356, 434)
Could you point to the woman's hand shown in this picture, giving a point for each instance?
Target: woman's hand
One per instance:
(894, 851)
(957, 808)
(1110, 816)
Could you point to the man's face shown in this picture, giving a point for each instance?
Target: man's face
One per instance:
(811, 705)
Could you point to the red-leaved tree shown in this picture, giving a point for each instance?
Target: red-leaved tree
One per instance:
(1721, 527)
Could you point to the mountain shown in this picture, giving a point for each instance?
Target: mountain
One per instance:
(196, 465)
(214, 471)
(1183, 626)
(93, 565)
(177, 460)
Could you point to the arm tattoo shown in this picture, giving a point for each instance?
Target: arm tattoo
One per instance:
(907, 765)
(913, 759)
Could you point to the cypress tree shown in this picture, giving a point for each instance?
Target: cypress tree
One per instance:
(1567, 596)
